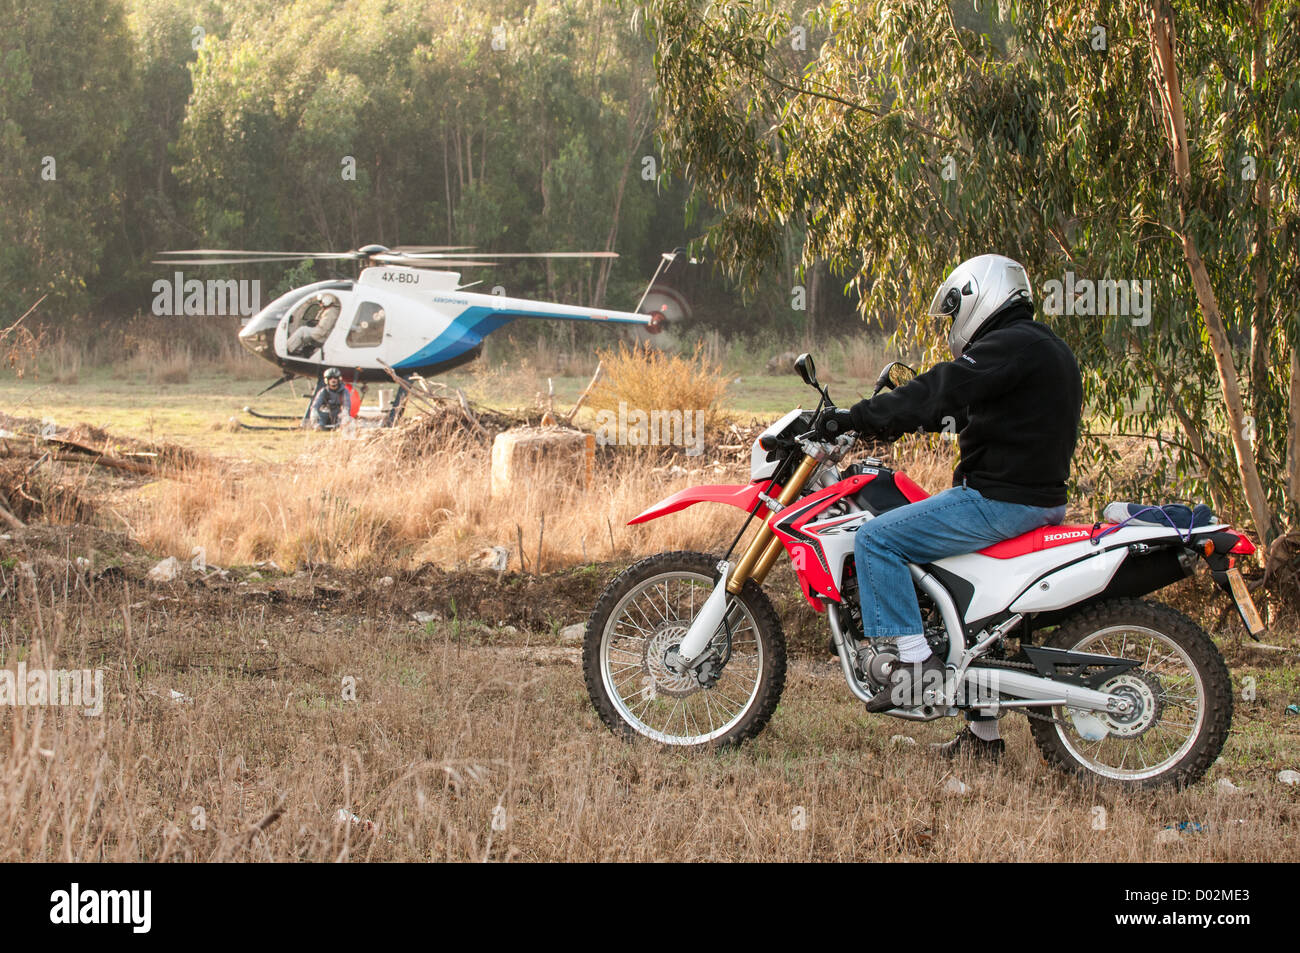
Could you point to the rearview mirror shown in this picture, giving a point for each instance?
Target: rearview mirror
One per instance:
(807, 369)
(895, 374)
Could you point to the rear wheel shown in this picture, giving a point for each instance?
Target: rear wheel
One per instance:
(1181, 688)
(639, 622)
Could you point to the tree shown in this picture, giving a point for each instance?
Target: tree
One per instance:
(64, 70)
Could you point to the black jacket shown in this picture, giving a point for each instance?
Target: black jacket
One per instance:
(1014, 398)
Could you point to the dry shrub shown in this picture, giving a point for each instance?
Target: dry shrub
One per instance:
(159, 363)
(644, 378)
(862, 356)
(63, 359)
(52, 492)
(234, 362)
(20, 348)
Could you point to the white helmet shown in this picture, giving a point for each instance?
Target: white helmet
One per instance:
(975, 291)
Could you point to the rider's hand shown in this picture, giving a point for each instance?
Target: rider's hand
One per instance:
(833, 422)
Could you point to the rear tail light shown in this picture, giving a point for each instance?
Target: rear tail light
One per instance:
(1244, 546)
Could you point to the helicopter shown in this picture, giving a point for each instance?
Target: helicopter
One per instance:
(405, 315)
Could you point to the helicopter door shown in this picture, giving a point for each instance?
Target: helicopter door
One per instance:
(360, 343)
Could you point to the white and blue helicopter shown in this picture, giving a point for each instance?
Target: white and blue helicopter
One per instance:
(405, 315)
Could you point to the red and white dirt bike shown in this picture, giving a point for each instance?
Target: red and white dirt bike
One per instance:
(685, 648)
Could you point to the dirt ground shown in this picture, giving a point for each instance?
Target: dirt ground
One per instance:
(255, 713)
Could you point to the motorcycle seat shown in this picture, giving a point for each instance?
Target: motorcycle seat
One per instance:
(1036, 540)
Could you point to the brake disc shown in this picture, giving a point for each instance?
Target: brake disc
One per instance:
(654, 658)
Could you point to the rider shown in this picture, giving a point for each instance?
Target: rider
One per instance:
(327, 406)
(1013, 393)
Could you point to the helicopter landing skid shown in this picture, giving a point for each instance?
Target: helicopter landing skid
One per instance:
(244, 426)
(253, 413)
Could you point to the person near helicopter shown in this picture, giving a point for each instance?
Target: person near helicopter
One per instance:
(318, 322)
(330, 402)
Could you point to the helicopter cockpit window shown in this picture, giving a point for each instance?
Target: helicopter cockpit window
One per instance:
(367, 327)
(305, 315)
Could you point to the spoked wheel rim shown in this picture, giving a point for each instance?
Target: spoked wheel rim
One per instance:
(1132, 750)
(656, 702)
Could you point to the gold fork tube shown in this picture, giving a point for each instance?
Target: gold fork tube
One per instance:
(766, 561)
(764, 548)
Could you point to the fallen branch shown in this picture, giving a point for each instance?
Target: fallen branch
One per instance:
(104, 460)
(13, 521)
(422, 400)
(469, 415)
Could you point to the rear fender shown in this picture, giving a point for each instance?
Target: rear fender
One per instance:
(743, 496)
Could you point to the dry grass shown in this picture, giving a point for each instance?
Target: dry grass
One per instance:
(158, 362)
(473, 740)
(383, 500)
(458, 750)
(647, 379)
(62, 359)
(356, 503)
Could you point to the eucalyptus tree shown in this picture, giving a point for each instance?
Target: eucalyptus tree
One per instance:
(1114, 147)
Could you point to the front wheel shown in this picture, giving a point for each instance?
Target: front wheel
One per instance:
(630, 643)
(1181, 688)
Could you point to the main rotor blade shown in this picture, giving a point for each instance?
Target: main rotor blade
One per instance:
(443, 263)
(413, 249)
(239, 261)
(526, 254)
(261, 254)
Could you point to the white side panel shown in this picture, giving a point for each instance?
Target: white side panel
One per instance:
(998, 581)
(837, 543)
(1071, 584)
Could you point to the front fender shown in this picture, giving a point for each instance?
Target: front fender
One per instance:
(743, 496)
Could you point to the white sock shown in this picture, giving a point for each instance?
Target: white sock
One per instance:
(913, 648)
(984, 730)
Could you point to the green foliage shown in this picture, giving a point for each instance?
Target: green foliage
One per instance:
(64, 67)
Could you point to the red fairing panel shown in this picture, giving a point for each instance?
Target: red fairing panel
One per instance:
(1036, 540)
(804, 545)
(743, 496)
(913, 492)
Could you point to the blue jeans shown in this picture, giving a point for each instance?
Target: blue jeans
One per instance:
(957, 521)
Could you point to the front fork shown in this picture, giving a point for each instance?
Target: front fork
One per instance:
(755, 563)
